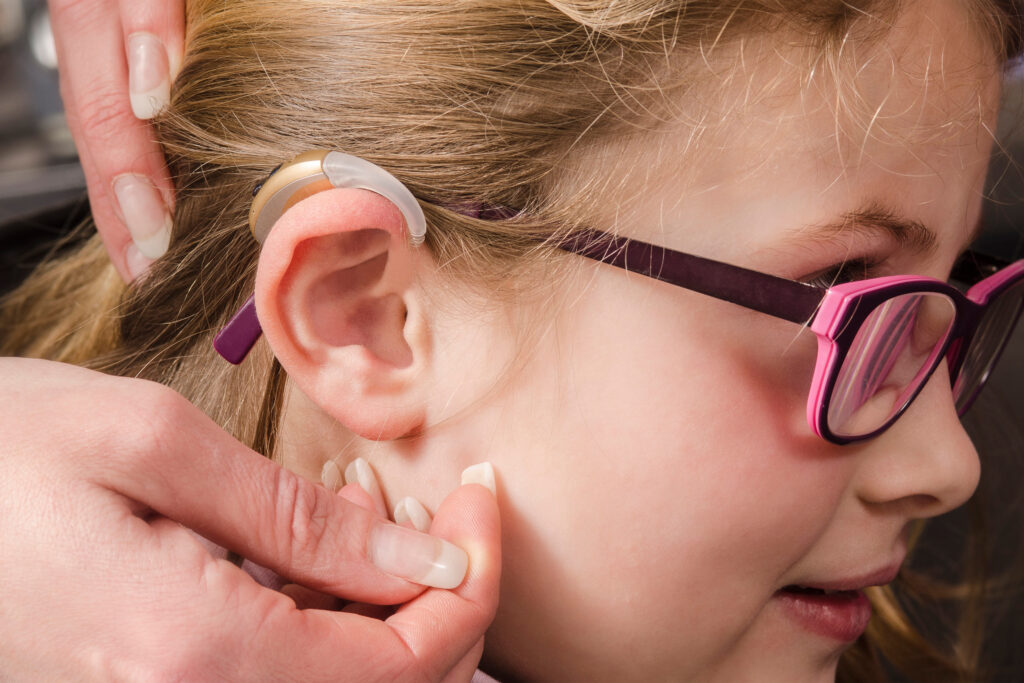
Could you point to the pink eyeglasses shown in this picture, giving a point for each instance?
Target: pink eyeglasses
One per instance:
(879, 340)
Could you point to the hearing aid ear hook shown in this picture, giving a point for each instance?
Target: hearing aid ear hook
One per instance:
(289, 184)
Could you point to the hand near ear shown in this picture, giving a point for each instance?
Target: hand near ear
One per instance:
(102, 582)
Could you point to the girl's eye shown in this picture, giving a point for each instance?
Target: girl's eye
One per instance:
(847, 271)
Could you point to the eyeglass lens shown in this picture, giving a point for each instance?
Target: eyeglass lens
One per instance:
(892, 353)
(991, 336)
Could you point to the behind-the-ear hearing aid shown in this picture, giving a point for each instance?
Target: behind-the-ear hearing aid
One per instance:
(290, 183)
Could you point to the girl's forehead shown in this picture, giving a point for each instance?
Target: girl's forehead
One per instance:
(916, 100)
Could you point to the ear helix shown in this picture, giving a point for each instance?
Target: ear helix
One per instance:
(305, 175)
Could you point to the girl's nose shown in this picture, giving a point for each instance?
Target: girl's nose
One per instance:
(925, 461)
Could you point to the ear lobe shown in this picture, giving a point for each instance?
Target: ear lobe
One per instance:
(334, 297)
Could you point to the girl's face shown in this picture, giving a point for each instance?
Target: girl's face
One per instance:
(659, 483)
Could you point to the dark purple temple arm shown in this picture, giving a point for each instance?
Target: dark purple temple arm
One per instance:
(776, 296)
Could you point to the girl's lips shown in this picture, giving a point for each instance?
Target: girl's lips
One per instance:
(840, 616)
(879, 577)
(835, 609)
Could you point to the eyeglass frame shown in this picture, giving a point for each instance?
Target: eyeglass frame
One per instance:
(835, 314)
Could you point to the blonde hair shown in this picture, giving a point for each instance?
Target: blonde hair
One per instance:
(468, 102)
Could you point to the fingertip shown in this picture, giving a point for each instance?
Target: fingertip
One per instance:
(411, 513)
(354, 493)
(360, 472)
(135, 263)
(149, 76)
(175, 55)
(481, 473)
(331, 476)
(469, 518)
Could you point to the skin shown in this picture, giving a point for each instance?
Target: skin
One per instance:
(658, 481)
(105, 477)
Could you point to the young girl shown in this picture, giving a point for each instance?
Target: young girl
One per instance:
(689, 489)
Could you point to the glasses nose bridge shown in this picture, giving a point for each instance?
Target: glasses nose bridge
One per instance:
(965, 324)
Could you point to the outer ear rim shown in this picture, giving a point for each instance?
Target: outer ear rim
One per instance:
(367, 393)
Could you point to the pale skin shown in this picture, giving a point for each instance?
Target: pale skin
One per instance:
(686, 411)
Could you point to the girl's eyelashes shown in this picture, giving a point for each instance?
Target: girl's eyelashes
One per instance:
(850, 270)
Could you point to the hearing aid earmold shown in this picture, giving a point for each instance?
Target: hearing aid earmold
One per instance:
(290, 183)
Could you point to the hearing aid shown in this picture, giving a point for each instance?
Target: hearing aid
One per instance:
(290, 183)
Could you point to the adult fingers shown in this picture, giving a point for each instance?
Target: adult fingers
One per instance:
(127, 180)
(409, 512)
(129, 594)
(164, 20)
(428, 639)
(359, 472)
(307, 598)
(162, 452)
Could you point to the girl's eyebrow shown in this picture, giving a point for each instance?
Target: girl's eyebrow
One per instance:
(870, 221)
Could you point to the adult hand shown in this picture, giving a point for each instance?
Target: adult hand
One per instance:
(102, 582)
(117, 60)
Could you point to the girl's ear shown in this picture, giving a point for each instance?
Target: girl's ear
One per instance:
(336, 299)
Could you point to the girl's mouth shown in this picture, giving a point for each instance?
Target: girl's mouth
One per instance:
(836, 614)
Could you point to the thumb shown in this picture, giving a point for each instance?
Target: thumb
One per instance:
(468, 518)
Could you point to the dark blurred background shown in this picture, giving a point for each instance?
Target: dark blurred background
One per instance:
(38, 166)
(39, 170)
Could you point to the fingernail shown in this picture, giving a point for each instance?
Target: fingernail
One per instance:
(360, 472)
(481, 473)
(411, 510)
(149, 75)
(330, 475)
(135, 262)
(417, 557)
(145, 214)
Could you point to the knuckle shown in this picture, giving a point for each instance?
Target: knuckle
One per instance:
(103, 116)
(74, 9)
(301, 511)
(150, 416)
